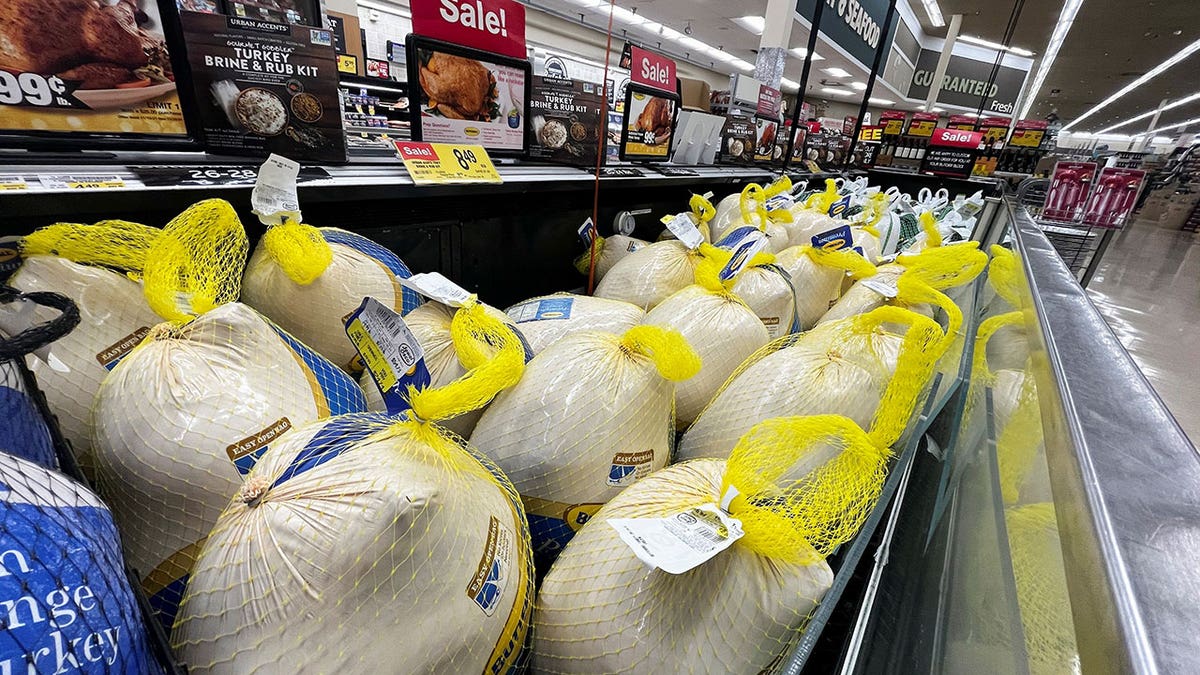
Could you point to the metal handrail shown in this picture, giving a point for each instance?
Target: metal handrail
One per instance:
(1125, 478)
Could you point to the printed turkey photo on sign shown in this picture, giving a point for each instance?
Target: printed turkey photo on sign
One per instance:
(649, 118)
(468, 96)
(86, 67)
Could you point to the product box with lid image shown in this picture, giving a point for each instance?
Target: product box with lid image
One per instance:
(738, 138)
(264, 87)
(766, 150)
(566, 120)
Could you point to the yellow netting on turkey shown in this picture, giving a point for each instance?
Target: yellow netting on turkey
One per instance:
(192, 403)
(843, 367)
(1042, 595)
(797, 486)
(125, 278)
(355, 535)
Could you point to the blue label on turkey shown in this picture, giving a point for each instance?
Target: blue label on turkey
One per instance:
(67, 602)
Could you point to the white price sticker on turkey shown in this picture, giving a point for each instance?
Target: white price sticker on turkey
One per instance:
(685, 230)
(437, 287)
(274, 198)
(680, 542)
(887, 289)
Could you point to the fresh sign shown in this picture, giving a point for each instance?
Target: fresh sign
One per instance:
(496, 26)
(652, 70)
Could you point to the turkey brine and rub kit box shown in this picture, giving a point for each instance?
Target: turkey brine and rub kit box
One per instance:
(566, 120)
(264, 87)
(86, 67)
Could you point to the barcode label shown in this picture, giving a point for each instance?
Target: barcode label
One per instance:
(682, 541)
(389, 350)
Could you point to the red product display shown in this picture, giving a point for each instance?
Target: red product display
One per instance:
(956, 138)
(1113, 199)
(496, 26)
(1069, 189)
(770, 101)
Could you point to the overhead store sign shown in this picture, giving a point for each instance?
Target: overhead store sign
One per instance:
(854, 25)
(966, 81)
(496, 26)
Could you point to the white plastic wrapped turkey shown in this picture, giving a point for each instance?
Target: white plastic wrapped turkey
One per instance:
(592, 414)
(367, 543)
(650, 275)
(840, 369)
(114, 318)
(307, 280)
(184, 417)
(610, 251)
(546, 319)
(605, 607)
(722, 330)
(817, 276)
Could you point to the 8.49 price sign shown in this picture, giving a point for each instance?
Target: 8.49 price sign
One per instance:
(447, 163)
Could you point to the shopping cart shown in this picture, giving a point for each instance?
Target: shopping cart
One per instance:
(1081, 245)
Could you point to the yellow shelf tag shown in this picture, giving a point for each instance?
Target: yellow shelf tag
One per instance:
(444, 163)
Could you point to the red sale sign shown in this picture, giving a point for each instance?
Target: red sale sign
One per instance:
(956, 138)
(414, 150)
(650, 70)
(496, 26)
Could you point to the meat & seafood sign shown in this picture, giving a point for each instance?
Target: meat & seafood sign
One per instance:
(496, 26)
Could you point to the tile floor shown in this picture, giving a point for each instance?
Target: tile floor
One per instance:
(1148, 288)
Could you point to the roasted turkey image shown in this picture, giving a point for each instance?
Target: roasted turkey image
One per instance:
(96, 42)
(458, 87)
(655, 117)
(768, 138)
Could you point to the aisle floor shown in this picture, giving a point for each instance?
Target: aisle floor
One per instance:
(1148, 288)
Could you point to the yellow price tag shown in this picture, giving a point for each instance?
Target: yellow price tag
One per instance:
(921, 128)
(443, 163)
(13, 183)
(1026, 138)
(81, 182)
(347, 63)
(372, 356)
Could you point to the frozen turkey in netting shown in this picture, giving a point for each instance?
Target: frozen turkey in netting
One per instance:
(184, 417)
(546, 319)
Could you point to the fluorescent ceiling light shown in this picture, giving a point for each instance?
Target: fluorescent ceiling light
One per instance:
(1066, 18)
(754, 24)
(937, 109)
(838, 72)
(801, 52)
(670, 33)
(881, 101)
(1162, 140)
(1194, 120)
(836, 91)
(738, 63)
(934, 12)
(1150, 113)
(693, 43)
(994, 45)
(858, 86)
(790, 84)
(1153, 73)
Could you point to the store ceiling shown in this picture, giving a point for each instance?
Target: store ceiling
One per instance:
(1110, 45)
(711, 21)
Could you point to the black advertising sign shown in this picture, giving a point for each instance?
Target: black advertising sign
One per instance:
(951, 152)
(264, 87)
(87, 67)
(853, 25)
(566, 120)
(966, 81)
(738, 138)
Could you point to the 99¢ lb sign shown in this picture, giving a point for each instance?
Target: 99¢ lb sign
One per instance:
(447, 163)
